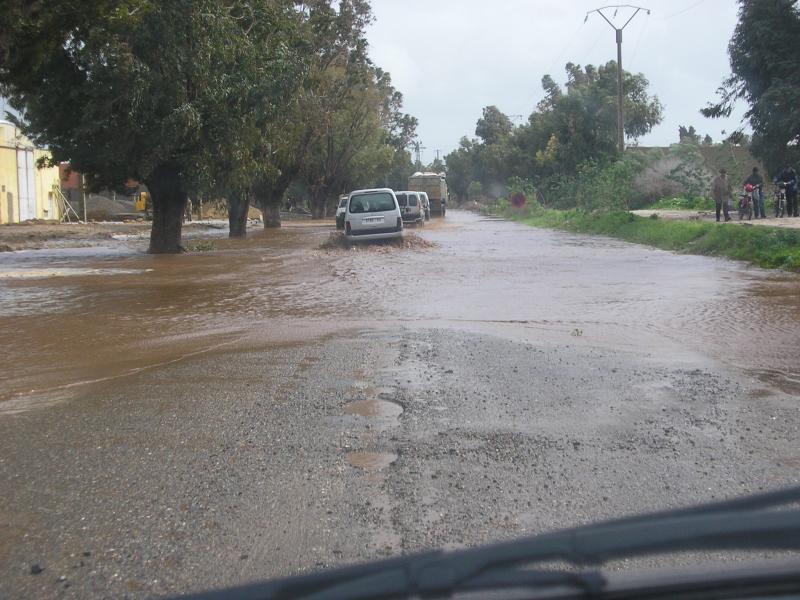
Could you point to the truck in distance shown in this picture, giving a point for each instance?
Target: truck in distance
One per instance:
(433, 184)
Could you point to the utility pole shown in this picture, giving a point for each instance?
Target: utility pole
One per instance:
(418, 148)
(618, 30)
(83, 193)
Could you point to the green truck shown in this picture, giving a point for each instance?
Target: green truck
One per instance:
(433, 184)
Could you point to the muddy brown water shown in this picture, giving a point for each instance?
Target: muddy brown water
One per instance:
(68, 317)
(374, 408)
(371, 461)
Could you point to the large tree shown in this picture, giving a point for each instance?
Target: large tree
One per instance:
(765, 73)
(343, 122)
(494, 126)
(572, 125)
(162, 91)
(331, 32)
(461, 168)
(578, 123)
(349, 144)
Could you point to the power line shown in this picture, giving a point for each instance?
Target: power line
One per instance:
(549, 69)
(566, 46)
(639, 39)
(685, 10)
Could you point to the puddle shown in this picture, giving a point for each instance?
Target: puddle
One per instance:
(370, 461)
(374, 408)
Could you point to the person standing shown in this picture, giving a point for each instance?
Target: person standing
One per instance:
(722, 193)
(757, 181)
(789, 177)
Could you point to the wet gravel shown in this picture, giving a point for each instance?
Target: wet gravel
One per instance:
(148, 488)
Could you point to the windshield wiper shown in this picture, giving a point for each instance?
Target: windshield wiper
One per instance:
(759, 522)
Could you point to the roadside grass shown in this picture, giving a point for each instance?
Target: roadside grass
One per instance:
(768, 247)
(682, 204)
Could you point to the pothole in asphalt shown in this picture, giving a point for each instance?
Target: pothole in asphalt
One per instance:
(374, 408)
(371, 461)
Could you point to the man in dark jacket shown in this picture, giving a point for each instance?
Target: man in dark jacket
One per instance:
(789, 177)
(757, 181)
(722, 193)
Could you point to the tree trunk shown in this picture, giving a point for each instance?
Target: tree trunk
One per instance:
(169, 203)
(270, 204)
(272, 215)
(238, 206)
(318, 204)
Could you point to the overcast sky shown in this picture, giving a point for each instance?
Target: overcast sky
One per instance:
(450, 58)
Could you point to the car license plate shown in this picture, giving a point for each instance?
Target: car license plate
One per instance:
(372, 220)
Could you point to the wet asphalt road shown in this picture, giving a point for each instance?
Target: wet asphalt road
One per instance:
(314, 408)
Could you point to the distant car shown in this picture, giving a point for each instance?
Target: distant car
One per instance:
(340, 211)
(426, 205)
(372, 215)
(411, 207)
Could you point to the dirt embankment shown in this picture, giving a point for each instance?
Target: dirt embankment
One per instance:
(34, 235)
(40, 234)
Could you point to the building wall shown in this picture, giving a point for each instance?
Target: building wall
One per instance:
(8, 183)
(46, 181)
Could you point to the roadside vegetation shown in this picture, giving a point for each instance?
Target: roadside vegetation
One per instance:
(562, 169)
(698, 203)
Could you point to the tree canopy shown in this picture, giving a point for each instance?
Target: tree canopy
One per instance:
(233, 98)
(765, 73)
(571, 125)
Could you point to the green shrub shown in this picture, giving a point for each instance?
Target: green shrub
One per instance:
(696, 203)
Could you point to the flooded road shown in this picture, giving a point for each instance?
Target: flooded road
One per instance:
(73, 316)
(302, 407)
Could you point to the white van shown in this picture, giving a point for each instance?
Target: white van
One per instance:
(426, 205)
(372, 215)
(340, 210)
(411, 207)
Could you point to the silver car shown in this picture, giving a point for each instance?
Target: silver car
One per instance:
(372, 215)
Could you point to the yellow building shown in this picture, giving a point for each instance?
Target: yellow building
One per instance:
(25, 191)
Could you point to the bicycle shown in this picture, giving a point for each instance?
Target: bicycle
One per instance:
(779, 195)
(746, 203)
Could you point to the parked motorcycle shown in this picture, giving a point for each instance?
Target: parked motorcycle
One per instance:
(746, 203)
(779, 195)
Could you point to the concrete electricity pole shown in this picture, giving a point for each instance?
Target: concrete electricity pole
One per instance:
(618, 30)
(418, 148)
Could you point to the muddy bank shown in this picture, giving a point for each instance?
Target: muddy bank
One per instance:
(710, 217)
(37, 236)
